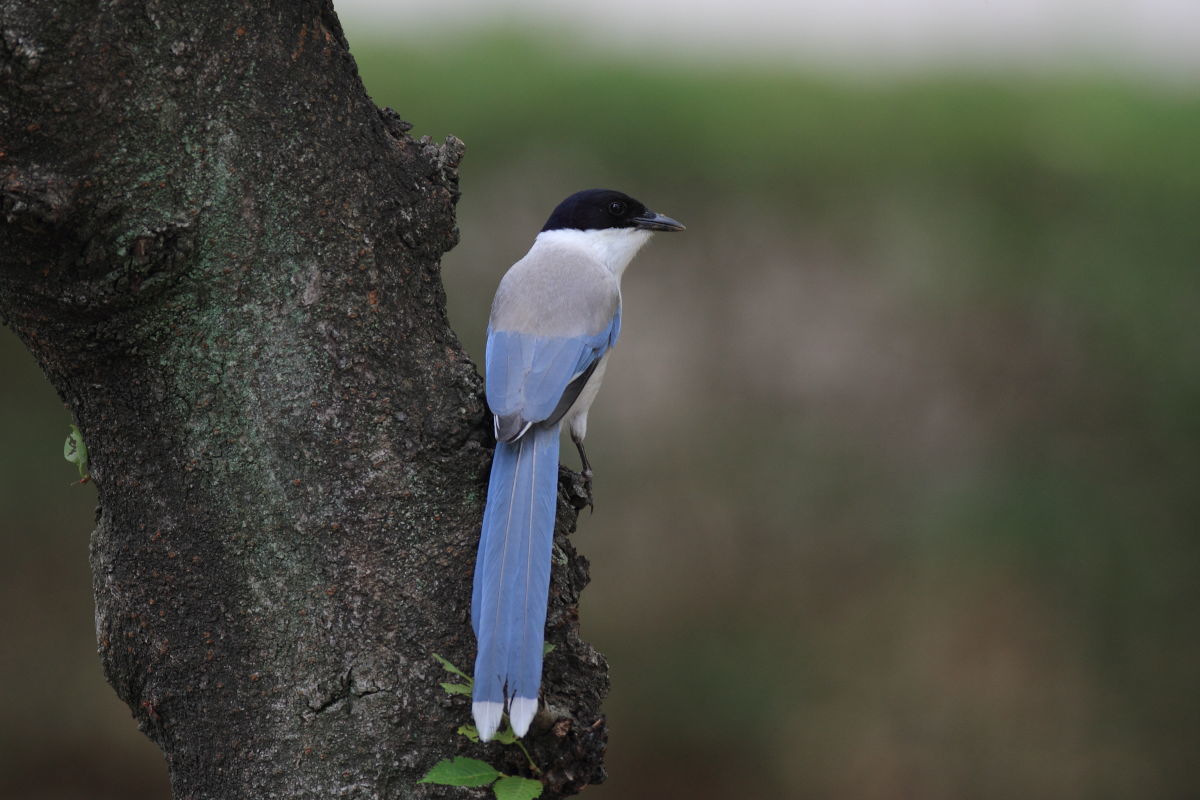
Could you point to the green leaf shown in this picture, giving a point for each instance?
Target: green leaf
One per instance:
(75, 451)
(548, 648)
(453, 670)
(505, 736)
(456, 688)
(469, 731)
(513, 788)
(460, 771)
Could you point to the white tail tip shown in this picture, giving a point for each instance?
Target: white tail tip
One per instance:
(487, 718)
(521, 714)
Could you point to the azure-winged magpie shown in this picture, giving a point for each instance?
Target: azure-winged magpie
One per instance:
(556, 315)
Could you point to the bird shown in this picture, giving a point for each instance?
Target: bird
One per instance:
(555, 318)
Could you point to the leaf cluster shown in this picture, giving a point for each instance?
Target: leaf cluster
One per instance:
(462, 771)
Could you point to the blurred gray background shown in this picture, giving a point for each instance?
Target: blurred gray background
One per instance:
(898, 457)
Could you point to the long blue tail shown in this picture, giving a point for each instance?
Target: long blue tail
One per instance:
(512, 580)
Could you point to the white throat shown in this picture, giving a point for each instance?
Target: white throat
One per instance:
(613, 247)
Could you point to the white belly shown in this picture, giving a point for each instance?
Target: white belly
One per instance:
(576, 417)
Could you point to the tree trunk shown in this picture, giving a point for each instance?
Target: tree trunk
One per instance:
(225, 258)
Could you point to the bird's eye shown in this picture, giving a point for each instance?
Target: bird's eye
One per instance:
(616, 208)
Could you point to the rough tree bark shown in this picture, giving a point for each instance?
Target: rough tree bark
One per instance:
(225, 258)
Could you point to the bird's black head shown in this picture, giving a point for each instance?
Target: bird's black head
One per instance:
(597, 209)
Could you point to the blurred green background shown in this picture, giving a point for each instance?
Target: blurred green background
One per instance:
(898, 461)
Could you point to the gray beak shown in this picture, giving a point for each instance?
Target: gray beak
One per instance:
(651, 221)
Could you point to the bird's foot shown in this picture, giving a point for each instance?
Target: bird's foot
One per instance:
(578, 488)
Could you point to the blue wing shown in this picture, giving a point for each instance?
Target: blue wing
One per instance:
(527, 373)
